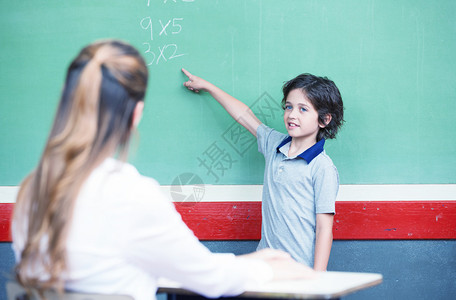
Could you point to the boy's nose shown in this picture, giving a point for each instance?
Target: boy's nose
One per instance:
(292, 114)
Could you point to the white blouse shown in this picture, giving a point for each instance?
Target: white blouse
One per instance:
(125, 234)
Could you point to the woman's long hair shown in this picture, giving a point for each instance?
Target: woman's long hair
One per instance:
(93, 121)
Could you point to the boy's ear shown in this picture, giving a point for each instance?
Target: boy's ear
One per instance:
(328, 119)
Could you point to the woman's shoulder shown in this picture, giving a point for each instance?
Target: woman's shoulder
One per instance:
(124, 170)
(115, 179)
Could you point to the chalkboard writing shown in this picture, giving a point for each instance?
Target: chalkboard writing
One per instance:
(164, 52)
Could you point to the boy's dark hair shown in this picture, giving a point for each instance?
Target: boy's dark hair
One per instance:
(324, 96)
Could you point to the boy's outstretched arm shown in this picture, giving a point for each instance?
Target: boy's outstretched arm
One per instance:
(238, 110)
(323, 241)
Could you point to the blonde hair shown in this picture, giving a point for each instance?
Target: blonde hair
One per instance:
(93, 121)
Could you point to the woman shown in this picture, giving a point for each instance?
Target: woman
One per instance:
(85, 220)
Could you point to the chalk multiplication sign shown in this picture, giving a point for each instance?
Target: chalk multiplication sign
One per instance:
(155, 50)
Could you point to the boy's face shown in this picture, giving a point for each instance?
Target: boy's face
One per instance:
(300, 117)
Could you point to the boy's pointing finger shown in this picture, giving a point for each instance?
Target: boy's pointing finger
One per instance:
(187, 73)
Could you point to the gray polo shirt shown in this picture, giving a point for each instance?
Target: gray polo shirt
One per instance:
(295, 189)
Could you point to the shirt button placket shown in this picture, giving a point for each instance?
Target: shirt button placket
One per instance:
(280, 170)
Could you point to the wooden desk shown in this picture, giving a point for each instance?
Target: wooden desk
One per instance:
(328, 285)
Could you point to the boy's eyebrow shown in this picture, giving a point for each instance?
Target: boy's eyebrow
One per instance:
(300, 103)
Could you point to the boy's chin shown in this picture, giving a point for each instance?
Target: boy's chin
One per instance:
(293, 133)
(294, 136)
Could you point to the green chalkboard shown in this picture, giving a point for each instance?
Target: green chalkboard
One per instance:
(394, 62)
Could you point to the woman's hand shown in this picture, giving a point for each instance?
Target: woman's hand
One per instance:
(284, 267)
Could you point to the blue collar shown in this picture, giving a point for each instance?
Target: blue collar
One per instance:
(310, 153)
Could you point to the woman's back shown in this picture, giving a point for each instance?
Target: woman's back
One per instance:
(125, 234)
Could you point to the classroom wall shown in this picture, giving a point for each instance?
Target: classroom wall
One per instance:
(411, 269)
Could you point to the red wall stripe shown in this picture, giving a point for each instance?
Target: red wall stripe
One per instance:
(222, 220)
(386, 220)
(6, 212)
(371, 220)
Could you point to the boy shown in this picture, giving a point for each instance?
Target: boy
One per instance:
(300, 180)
